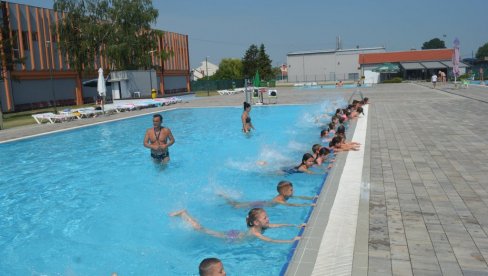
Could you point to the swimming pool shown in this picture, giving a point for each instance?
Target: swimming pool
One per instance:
(91, 202)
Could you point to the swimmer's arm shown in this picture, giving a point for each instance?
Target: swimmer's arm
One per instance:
(298, 204)
(171, 138)
(306, 197)
(304, 170)
(147, 144)
(277, 225)
(264, 238)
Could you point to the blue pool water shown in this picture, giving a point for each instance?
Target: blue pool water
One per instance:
(91, 202)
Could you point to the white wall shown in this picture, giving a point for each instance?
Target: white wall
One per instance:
(201, 70)
(326, 65)
(371, 77)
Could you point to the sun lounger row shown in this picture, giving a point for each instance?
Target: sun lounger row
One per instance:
(88, 112)
(230, 92)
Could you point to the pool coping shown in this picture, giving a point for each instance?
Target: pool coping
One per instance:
(305, 255)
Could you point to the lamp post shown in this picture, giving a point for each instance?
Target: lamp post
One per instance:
(206, 67)
(150, 68)
(53, 92)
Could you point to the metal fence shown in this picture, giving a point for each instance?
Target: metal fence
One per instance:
(323, 77)
(204, 85)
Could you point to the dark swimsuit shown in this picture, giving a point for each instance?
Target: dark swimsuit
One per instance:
(291, 170)
(160, 155)
(248, 120)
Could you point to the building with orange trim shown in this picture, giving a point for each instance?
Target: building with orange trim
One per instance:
(28, 85)
(415, 64)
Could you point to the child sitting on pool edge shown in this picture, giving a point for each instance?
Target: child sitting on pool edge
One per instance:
(285, 192)
(257, 221)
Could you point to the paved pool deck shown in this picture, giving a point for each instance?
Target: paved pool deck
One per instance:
(423, 189)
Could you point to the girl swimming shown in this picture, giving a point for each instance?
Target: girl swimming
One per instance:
(307, 162)
(257, 222)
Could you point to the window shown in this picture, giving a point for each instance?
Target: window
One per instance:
(25, 40)
(15, 44)
(353, 76)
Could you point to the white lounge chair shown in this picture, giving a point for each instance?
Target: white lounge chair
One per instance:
(121, 107)
(52, 118)
(86, 112)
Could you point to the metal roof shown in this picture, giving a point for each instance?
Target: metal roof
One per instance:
(314, 52)
(411, 65)
(449, 64)
(433, 65)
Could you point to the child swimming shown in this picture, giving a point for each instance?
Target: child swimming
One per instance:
(257, 222)
(285, 192)
(307, 162)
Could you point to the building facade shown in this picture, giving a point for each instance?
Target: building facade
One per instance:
(326, 65)
(414, 64)
(206, 68)
(45, 78)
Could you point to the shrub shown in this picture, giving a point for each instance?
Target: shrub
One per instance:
(394, 80)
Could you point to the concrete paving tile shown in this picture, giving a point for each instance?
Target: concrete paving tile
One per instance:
(401, 268)
(468, 272)
(425, 263)
(379, 265)
(450, 269)
(423, 272)
(400, 252)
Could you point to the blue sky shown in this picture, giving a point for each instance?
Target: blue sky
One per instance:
(226, 28)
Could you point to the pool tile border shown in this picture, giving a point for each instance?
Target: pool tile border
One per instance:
(305, 258)
(305, 255)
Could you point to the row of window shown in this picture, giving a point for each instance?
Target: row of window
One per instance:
(25, 39)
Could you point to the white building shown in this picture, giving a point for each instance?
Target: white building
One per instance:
(201, 71)
(326, 65)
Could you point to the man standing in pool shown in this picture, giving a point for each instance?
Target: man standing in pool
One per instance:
(159, 139)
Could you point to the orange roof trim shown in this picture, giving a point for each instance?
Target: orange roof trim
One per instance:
(406, 56)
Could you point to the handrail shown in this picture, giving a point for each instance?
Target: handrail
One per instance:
(355, 92)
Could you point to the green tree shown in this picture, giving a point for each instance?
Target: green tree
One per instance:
(264, 64)
(434, 43)
(119, 29)
(277, 72)
(131, 36)
(250, 61)
(482, 52)
(78, 35)
(229, 69)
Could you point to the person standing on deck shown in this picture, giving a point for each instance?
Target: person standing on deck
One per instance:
(434, 80)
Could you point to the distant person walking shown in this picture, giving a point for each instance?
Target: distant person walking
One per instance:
(434, 80)
(159, 139)
(482, 75)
